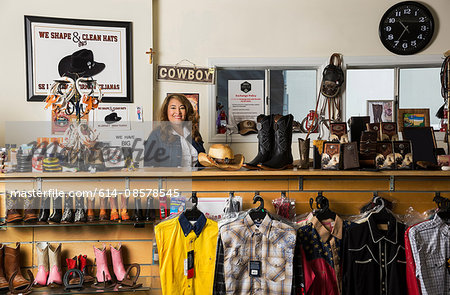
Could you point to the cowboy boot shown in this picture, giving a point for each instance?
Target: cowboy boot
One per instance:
(45, 210)
(3, 281)
(90, 209)
(82, 265)
(54, 258)
(123, 208)
(282, 152)
(29, 211)
(42, 262)
(117, 262)
(151, 210)
(137, 216)
(72, 264)
(57, 210)
(80, 210)
(102, 265)
(68, 214)
(114, 211)
(265, 141)
(12, 265)
(12, 214)
(103, 215)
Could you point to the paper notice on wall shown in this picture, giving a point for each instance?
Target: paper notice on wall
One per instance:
(245, 100)
(111, 117)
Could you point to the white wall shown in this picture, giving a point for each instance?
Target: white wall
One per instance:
(200, 29)
(13, 104)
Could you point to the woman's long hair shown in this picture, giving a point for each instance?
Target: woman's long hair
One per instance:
(191, 116)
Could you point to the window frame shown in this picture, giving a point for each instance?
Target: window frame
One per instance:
(318, 63)
(267, 64)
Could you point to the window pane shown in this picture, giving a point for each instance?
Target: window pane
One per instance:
(367, 84)
(420, 88)
(301, 92)
(223, 78)
(291, 91)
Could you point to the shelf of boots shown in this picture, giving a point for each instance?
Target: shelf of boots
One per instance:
(139, 224)
(88, 289)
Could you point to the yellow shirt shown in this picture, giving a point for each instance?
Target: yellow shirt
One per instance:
(175, 238)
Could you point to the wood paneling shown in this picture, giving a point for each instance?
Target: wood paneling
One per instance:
(347, 192)
(91, 233)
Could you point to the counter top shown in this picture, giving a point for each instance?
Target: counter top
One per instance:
(214, 172)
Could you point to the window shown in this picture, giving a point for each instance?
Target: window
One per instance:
(291, 86)
(278, 89)
(407, 88)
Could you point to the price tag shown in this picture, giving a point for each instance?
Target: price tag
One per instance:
(189, 265)
(255, 268)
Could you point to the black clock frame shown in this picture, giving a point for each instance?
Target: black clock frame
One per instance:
(412, 50)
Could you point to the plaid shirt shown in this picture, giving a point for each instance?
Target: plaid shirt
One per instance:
(430, 245)
(272, 243)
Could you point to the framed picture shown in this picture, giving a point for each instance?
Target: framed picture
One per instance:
(193, 98)
(74, 48)
(413, 118)
(380, 110)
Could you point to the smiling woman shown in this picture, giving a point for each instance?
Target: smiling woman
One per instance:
(176, 141)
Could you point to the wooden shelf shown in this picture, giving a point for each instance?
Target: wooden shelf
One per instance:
(214, 172)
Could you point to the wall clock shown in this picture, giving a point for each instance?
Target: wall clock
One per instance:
(406, 28)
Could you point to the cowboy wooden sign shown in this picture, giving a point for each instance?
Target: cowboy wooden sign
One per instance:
(186, 74)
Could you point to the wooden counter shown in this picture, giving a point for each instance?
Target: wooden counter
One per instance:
(347, 192)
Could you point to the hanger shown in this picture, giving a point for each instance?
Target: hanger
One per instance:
(443, 206)
(377, 203)
(323, 207)
(258, 213)
(381, 215)
(193, 213)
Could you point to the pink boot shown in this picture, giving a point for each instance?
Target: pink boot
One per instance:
(119, 269)
(42, 262)
(102, 265)
(54, 258)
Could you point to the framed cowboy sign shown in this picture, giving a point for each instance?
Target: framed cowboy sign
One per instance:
(75, 48)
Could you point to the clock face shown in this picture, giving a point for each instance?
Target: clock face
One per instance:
(406, 28)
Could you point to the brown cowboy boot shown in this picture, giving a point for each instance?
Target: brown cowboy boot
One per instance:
(3, 281)
(12, 214)
(114, 211)
(90, 209)
(124, 207)
(12, 265)
(103, 215)
(29, 212)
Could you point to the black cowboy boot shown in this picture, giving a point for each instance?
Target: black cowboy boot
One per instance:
(137, 216)
(45, 209)
(68, 214)
(80, 210)
(151, 211)
(282, 152)
(57, 210)
(265, 141)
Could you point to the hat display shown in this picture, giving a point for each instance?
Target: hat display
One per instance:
(247, 127)
(222, 157)
(112, 118)
(80, 62)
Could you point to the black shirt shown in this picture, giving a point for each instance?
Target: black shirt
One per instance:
(374, 259)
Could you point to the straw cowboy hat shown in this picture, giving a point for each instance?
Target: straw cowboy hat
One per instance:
(222, 157)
